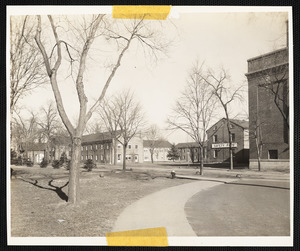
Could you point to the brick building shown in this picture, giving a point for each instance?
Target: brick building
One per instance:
(160, 150)
(100, 147)
(218, 141)
(268, 86)
(190, 152)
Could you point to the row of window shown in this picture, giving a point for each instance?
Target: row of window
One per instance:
(92, 157)
(215, 138)
(91, 147)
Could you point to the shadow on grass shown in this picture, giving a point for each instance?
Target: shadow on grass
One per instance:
(56, 189)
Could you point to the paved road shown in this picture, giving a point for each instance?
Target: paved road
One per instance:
(243, 208)
(162, 209)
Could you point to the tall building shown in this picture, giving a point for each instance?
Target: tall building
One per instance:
(268, 85)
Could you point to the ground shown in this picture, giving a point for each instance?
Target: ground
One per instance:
(241, 208)
(39, 208)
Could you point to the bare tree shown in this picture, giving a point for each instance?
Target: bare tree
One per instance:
(154, 138)
(223, 91)
(26, 68)
(49, 123)
(93, 127)
(25, 131)
(194, 109)
(124, 117)
(110, 113)
(85, 31)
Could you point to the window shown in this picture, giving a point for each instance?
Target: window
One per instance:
(96, 157)
(81, 157)
(136, 146)
(86, 148)
(86, 157)
(215, 154)
(119, 145)
(96, 147)
(101, 146)
(91, 147)
(107, 146)
(119, 156)
(273, 154)
(82, 148)
(129, 146)
(215, 138)
(101, 157)
(91, 157)
(135, 157)
(232, 136)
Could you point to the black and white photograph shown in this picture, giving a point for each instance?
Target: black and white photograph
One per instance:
(126, 118)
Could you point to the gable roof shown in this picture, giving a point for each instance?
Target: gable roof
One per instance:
(157, 143)
(241, 123)
(189, 145)
(97, 137)
(34, 146)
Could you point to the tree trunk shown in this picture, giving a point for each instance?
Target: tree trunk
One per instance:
(115, 152)
(124, 157)
(151, 154)
(73, 196)
(231, 158)
(201, 161)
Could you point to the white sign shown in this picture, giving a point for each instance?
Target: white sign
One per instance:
(223, 145)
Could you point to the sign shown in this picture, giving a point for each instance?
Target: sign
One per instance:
(223, 145)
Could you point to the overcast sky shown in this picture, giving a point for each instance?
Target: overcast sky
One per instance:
(219, 39)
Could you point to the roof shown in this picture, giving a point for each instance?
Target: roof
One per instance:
(97, 137)
(241, 123)
(34, 146)
(157, 143)
(189, 145)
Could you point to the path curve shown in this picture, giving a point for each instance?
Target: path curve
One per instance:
(164, 208)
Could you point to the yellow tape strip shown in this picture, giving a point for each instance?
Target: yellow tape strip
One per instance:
(159, 12)
(143, 237)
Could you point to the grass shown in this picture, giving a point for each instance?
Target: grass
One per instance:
(39, 209)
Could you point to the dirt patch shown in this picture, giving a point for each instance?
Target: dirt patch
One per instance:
(39, 207)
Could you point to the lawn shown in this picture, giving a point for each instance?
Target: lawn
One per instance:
(39, 207)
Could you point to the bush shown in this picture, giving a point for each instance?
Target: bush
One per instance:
(68, 163)
(63, 158)
(44, 163)
(29, 163)
(56, 164)
(89, 165)
(20, 161)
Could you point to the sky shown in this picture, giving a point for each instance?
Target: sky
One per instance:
(219, 39)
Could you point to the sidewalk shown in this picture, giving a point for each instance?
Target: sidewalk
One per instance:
(163, 209)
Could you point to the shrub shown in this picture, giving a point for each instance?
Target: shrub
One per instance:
(29, 163)
(63, 158)
(19, 161)
(68, 163)
(44, 163)
(89, 165)
(56, 164)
